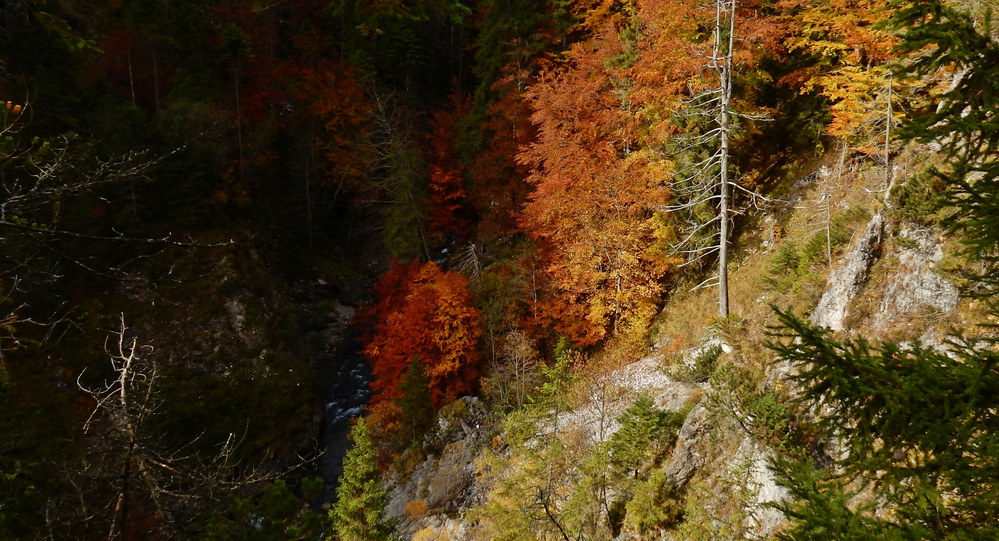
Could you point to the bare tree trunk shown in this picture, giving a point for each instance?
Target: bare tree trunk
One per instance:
(148, 476)
(726, 100)
(839, 178)
(131, 80)
(888, 172)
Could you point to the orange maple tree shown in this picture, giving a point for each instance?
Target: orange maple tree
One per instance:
(427, 313)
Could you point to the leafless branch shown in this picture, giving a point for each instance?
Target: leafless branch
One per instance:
(142, 466)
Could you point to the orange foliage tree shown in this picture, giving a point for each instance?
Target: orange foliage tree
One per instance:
(329, 93)
(427, 313)
(598, 170)
(611, 117)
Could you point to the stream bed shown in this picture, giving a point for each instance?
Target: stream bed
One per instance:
(347, 394)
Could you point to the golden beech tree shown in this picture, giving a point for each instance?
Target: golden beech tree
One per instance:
(864, 106)
(426, 313)
(852, 53)
(611, 117)
(839, 31)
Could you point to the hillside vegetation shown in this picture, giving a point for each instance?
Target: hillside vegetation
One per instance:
(621, 269)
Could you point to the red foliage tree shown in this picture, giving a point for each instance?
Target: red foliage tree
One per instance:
(424, 312)
(447, 195)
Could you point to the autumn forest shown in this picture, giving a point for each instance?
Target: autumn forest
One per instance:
(210, 206)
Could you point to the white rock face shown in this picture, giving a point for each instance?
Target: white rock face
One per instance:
(446, 480)
(687, 457)
(916, 284)
(846, 280)
(598, 421)
(762, 518)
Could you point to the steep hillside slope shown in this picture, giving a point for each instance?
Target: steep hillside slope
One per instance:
(551, 470)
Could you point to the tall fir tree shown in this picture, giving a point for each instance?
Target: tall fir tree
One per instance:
(950, 44)
(359, 511)
(645, 435)
(923, 434)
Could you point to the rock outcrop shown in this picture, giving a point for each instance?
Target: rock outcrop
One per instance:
(846, 280)
(916, 284)
(444, 481)
(687, 459)
(763, 519)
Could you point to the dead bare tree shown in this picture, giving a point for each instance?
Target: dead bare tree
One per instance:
(515, 373)
(44, 181)
(820, 211)
(37, 182)
(152, 482)
(707, 182)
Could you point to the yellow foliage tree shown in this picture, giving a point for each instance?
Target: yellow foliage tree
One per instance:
(852, 55)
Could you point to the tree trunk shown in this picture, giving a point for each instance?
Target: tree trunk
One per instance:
(888, 172)
(131, 79)
(725, 72)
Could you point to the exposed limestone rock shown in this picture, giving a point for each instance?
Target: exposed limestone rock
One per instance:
(847, 279)
(686, 458)
(599, 421)
(693, 353)
(915, 285)
(439, 527)
(762, 519)
(645, 374)
(445, 481)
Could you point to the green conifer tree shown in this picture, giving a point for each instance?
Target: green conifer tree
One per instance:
(943, 41)
(415, 404)
(919, 427)
(646, 433)
(359, 511)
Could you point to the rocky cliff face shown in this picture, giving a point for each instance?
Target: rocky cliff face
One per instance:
(444, 482)
(916, 284)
